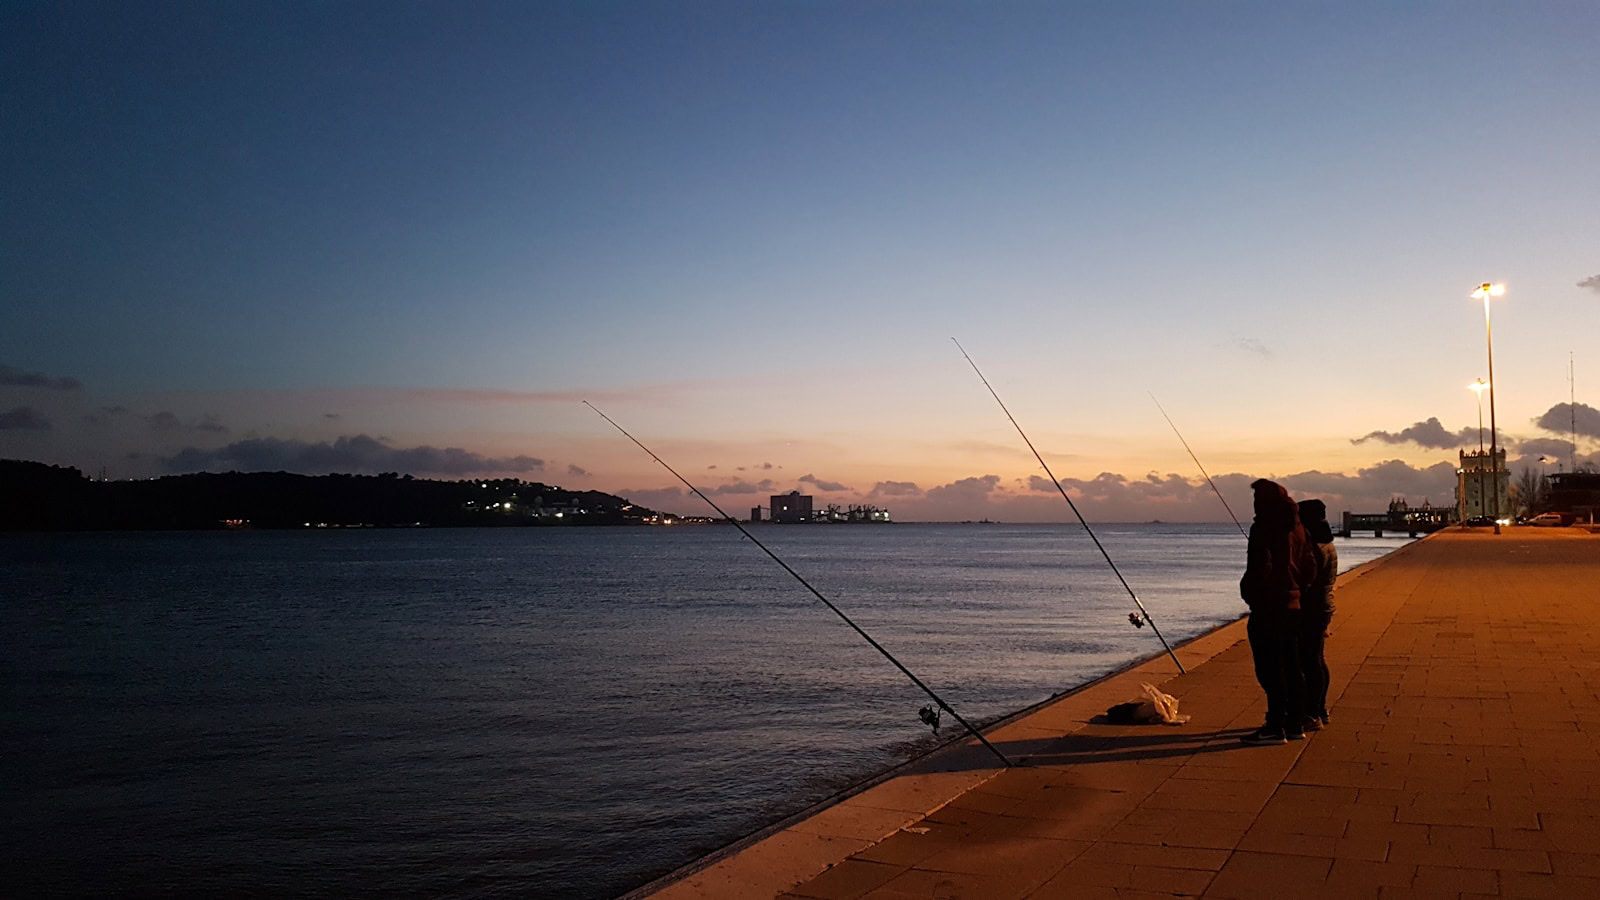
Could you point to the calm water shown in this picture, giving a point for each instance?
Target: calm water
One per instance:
(544, 712)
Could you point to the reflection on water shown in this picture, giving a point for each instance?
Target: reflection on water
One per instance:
(562, 712)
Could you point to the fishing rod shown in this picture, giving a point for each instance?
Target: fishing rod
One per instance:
(1138, 619)
(1197, 462)
(928, 714)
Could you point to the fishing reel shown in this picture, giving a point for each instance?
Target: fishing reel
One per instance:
(1135, 620)
(930, 717)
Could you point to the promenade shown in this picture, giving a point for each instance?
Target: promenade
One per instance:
(1463, 760)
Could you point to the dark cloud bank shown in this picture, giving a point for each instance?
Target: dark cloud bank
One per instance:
(822, 484)
(24, 418)
(1429, 433)
(358, 454)
(1560, 418)
(10, 377)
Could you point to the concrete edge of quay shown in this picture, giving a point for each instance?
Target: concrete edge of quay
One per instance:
(793, 849)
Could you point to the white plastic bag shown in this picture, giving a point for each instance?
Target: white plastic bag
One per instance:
(1163, 707)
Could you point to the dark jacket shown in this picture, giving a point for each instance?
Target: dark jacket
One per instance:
(1318, 596)
(1279, 560)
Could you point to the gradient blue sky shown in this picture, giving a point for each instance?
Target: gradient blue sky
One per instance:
(749, 231)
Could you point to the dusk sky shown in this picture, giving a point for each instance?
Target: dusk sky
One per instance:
(413, 237)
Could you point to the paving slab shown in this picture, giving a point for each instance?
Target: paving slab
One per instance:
(1462, 759)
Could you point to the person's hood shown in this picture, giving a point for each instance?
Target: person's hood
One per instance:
(1274, 507)
(1314, 516)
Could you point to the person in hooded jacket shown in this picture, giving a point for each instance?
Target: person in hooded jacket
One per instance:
(1279, 564)
(1316, 612)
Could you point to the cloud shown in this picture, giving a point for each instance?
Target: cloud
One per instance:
(24, 418)
(895, 489)
(330, 416)
(10, 377)
(1558, 461)
(1116, 490)
(1559, 418)
(1591, 283)
(980, 496)
(1253, 346)
(766, 465)
(1386, 479)
(359, 453)
(977, 488)
(577, 471)
(710, 467)
(163, 421)
(1117, 497)
(105, 414)
(1537, 447)
(1424, 434)
(822, 485)
(764, 486)
(666, 499)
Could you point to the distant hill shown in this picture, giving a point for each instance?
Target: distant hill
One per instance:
(39, 497)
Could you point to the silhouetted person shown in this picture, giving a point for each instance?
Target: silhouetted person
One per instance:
(1316, 612)
(1279, 563)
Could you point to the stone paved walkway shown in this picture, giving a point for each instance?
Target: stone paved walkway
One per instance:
(1463, 760)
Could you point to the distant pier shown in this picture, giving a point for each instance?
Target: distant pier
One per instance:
(1400, 518)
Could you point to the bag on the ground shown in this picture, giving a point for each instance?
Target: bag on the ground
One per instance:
(1155, 707)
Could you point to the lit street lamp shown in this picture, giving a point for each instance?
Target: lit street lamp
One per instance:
(1478, 387)
(1485, 291)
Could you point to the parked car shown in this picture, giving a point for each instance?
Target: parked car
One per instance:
(1549, 518)
(1478, 522)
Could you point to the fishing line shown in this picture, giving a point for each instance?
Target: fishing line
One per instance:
(928, 714)
(1142, 617)
(1197, 462)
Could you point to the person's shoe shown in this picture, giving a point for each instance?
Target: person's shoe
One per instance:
(1312, 724)
(1264, 736)
(1295, 735)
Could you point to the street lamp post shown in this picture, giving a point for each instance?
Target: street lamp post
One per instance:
(1478, 387)
(1544, 474)
(1485, 291)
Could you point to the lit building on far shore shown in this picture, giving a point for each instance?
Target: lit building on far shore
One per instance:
(792, 507)
(1477, 485)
